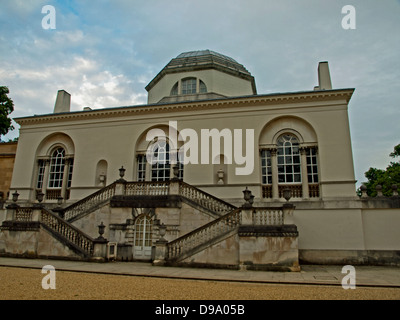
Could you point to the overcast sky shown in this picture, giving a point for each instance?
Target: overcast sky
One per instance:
(104, 53)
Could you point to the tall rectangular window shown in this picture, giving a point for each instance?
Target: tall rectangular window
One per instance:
(141, 168)
(40, 177)
(288, 157)
(70, 169)
(57, 169)
(312, 167)
(266, 171)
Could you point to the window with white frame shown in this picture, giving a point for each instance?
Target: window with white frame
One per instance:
(312, 166)
(161, 168)
(189, 86)
(202, 87)
(40, 177)
(266, 169)
(70, 170)
(141, 167)
(57, 164)
(288, 158)
(174, 90)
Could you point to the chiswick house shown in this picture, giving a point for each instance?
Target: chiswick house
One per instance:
(208, 173)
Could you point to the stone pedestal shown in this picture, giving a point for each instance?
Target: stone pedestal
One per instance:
(288, 210)
(100, 250)
(160, 252)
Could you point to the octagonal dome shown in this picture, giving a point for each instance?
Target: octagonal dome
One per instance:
(198, 75)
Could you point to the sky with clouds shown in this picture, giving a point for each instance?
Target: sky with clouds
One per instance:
(104, 53)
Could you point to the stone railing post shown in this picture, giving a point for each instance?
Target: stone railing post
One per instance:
(100, 246)
(161, 248)
(288, 210)
(37, 213)
(174, 187)
(120, 183)
(364, 193)
(12, 208)
(11, 212)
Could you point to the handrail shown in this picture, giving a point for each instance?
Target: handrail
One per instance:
(203, 234)
(68, 231)
(204, 199)
(90, 201)
(149, 188)
(262, 216)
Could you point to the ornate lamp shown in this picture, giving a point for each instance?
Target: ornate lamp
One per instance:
(60, 200)
(122, 172)
(15, 196)
(287, 193)
(247, 197)
(40, 196)
(251, 201)
(101, 230)
(162, 229)
(220, 174)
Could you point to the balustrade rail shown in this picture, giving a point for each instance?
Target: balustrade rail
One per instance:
(159, 188)
(148, 188)
(23, 214)
(89, 202)
(203, 234)
(268, 216)
(204, 199)
(68, 231)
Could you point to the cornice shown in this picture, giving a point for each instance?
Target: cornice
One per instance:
(214, 104)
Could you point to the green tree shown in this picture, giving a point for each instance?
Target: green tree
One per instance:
(6, 107)
(385, 178)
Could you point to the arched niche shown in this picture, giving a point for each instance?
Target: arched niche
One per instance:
(287, 124)
(51, 142)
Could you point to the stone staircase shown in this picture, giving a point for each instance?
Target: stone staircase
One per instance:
(190, 193)
(217, 230)
(28, 219)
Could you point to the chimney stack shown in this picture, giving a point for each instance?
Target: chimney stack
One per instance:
(324, 77)
(63, 102)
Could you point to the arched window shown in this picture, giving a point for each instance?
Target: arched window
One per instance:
(203, 88)
(288, 157)
(54, 175)
(289, 166)
(142, 240)
(174, 90)
(161, 168)
(57, 164)
(189, 86)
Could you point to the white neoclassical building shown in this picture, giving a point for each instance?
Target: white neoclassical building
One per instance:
(206, 135)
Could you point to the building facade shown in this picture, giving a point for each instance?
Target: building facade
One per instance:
(206, 129)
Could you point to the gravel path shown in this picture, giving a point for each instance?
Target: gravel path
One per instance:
(24, 284)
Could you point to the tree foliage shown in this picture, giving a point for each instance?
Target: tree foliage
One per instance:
(6, 107)
(385, 178)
